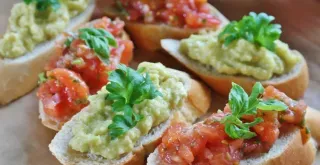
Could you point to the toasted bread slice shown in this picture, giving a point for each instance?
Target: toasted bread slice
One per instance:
(294, 84)
(20, 75)
(288, 149)
(313, 123)
(148, 36)
(196, 104)
(51, 122)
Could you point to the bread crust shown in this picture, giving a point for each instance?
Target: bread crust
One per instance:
(148, 36)
(292, 152)
(47, 120)
(313, 123)
(295, 154)
(189, 112)
(297, 79)
(20, 75)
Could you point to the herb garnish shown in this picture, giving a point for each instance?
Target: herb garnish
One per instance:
(68, 41)
(254, 28)
(42, 78)
(43, 5)
(127, 87)
(98, 40)
(78, 61)
(242, 104)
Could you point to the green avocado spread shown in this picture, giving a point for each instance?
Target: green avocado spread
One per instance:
(29, 26)
(241, 57)
(90, 135)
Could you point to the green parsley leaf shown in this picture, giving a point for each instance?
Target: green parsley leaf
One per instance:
(68, 41)
(238, 100)
(118, 126)
(43, 5)
(235, 128)
(27, 1)
(42, 78)
(257, 90)
(128, 87)
(242, 104)
(123, 123)
(272, 105)
(98, 40)
(255, 28)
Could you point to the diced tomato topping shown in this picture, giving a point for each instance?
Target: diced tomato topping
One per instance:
(207, 143)
(63, 90)
(82, 61)
(179, 13)
(114, 27)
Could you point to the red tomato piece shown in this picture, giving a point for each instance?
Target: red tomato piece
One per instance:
(178, 13)
(64, 94)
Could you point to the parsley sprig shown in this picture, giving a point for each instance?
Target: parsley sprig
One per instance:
(126, 88)
(43, 5)
(241, 104)
(42, 78)
(98, 40)
(255, 28)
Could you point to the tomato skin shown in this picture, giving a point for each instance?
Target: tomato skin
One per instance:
(60, 93)
(114, 27)
(178, 13)
(127, 54)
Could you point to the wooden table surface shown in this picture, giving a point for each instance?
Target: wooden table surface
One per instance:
(23, 140)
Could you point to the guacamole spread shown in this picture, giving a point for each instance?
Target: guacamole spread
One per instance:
(29, 26)
(240, 57)
(90, 134)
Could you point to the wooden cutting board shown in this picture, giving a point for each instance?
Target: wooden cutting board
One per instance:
(23, 139)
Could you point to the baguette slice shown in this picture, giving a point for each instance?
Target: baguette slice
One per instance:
(19, 76)
(288, 149)
(196, 104)
(51, 122)
(294, 84)
(148, 36)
